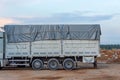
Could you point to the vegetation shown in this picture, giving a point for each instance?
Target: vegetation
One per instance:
(112, 46)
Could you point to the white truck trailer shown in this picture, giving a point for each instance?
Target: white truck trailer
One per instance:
(54, 45)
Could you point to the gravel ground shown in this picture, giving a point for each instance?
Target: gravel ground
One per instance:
(83, 72)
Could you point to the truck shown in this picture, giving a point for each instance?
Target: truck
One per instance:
(51, 45)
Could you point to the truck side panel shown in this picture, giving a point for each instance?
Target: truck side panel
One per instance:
(81, 48)
(17, 49)
(1, 48)
(46, 48)
(53, 48)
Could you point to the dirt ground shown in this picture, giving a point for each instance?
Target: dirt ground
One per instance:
(110, 56)
(83, 72)
(108, 69)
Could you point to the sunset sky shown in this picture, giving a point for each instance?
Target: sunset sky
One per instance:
(103, 12)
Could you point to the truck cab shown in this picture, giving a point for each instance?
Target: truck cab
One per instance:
(1, 47)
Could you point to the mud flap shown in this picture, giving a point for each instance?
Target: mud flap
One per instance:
(88, 59)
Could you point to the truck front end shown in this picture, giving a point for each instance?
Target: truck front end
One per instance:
(1, 47)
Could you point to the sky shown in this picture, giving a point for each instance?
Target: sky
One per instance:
(103, 12)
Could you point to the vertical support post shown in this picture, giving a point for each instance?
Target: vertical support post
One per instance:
(62, 47)
(4, 45)
(95, 62)
(76, 61)
(61, 39)
(30, 51)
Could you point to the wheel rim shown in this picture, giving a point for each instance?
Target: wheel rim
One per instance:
(69, 64)
(53, 64)
(37, 64)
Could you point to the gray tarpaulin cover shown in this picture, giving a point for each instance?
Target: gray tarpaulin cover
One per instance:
(26, 33)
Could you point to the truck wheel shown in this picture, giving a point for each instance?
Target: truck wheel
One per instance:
(68, 64)
(53, 64)
(37, 64)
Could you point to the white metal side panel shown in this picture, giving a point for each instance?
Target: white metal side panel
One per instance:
(1, 48)
(81, 48)
(46, 48)
(17, 49)
(1, 34)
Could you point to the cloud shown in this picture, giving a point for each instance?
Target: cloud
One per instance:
(77, 17)
(5, 21)
(73, 17)
(46, 7)
(111, 30)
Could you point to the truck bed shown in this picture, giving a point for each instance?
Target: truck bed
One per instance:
(53, 48)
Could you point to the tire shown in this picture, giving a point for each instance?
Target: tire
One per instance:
(37, 64)
(68, 64)
(53, 64)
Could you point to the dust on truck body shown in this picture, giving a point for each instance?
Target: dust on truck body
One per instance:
(54, 45)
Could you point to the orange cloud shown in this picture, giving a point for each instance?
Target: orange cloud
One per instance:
(5, 21)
